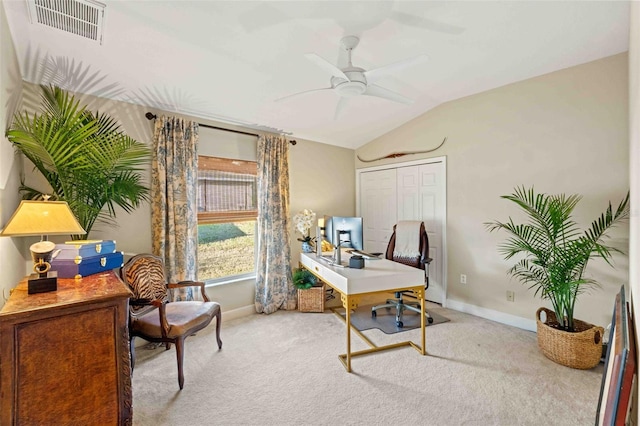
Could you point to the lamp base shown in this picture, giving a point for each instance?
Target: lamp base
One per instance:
(39, 284)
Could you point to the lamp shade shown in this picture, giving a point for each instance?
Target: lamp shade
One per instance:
(42, 218)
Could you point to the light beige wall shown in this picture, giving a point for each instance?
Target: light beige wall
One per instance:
(12, 261)
(562, 132)
(321, 179)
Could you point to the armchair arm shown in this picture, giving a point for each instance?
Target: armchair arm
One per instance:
(160, 304)
(140, 302)
(189, 283)
(164, 324)
(427, 262)
(145, 302)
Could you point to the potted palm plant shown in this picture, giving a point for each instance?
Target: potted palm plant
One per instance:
(86, 159)
(553, 255)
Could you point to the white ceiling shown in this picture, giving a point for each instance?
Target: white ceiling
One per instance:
(230, 60)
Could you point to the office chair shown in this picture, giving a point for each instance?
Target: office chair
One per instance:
(421, 261)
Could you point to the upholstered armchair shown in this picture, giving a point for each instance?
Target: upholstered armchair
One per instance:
(153, 317)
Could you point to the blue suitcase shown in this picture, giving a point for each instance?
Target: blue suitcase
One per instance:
(81, 249)
(81, 267)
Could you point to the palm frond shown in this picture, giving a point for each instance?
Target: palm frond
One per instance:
(554, 251)
(86, 158)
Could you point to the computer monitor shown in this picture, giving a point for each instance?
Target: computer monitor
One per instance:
(351, 231)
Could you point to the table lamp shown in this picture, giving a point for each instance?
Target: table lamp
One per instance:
(33, 218)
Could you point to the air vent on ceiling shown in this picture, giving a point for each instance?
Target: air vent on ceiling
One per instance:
(81, 17)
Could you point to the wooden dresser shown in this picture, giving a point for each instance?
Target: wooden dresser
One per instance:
(64, 355)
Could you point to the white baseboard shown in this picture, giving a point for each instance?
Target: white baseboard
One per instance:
(490, 314)
(238, 313)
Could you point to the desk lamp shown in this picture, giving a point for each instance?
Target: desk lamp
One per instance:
(33, 218)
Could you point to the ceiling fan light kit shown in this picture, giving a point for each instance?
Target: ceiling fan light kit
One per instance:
(349, 88)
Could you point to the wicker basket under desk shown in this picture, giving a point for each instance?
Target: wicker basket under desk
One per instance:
(311, 299)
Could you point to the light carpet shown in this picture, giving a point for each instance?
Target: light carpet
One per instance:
(385, 320)
(283, 369)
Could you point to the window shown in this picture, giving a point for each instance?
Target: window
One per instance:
(227, 212)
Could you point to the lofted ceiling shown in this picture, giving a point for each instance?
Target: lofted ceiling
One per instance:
(232, 60)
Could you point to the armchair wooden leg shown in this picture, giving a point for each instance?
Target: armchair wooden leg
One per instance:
(218, 320)
(180, 356)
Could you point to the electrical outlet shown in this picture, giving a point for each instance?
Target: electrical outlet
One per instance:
(510, 296)
(463, 279)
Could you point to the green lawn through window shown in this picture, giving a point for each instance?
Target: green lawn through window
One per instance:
(225, 249)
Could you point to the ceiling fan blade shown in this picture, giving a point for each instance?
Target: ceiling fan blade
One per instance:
(425, 23)
(377, 73)
(302, 93)
(326, 65)
(381, 92)
(342, 102)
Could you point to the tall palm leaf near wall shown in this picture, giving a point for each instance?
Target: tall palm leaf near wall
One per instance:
(86, 158)
(554, 250)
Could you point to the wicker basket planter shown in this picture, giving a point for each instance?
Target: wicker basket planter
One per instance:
(311, 299)
(581, 349)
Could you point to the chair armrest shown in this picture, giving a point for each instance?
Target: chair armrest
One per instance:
(146, 302)
(160, 304)
(427, 262)
(163, 317)
(139, 302)
(189, 283)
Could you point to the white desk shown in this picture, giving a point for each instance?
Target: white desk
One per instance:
(377, 276)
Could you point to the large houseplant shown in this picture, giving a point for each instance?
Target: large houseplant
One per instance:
(554, 251)
(86, 159)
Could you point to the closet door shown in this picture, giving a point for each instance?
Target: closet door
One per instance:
(409, 191)
(378, 208)
(421, 196)
(408, 188)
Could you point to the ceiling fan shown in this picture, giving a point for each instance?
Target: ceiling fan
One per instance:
(351, 81)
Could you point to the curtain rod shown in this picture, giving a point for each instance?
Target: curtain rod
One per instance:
(151, 116)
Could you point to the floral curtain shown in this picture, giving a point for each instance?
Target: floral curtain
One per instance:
(174, 178)
(274, 286)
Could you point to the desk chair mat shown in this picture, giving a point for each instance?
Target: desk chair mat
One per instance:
(386, 320)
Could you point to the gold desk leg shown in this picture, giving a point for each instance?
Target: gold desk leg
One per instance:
(423, 325)
(348, 302)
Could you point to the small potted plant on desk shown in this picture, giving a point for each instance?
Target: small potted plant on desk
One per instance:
(311, 294)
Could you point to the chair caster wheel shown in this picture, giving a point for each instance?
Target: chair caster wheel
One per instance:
(430, 320)
(374, 314)
(399, 324)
